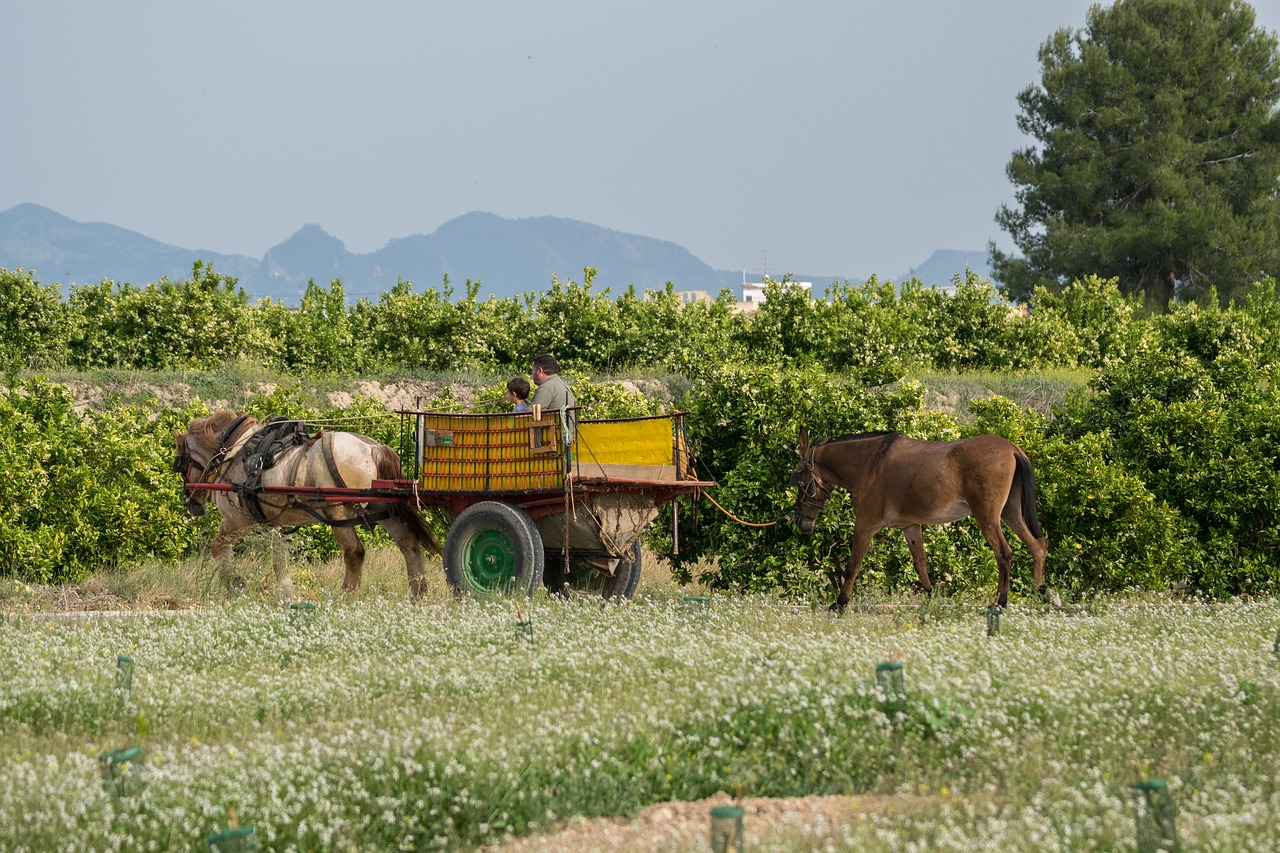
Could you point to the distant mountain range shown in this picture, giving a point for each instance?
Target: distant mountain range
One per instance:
(508, 257)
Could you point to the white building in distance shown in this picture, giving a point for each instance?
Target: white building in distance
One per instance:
(753, 292)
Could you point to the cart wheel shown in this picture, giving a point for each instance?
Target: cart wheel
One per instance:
(585, 577)
(493, 547)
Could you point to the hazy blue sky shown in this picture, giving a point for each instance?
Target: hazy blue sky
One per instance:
(845, 138)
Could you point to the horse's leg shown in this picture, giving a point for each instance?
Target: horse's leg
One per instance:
(231, 530)
(862, 535)
(407, 541)
(280, 562)
(915, 541)
(992, 532)
(352, 556)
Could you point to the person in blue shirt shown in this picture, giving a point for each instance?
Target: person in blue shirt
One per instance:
(518, 394)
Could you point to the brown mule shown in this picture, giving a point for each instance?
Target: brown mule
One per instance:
(901, 482)
(215, 450)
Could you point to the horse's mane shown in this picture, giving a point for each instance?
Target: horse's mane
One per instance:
(209, 432)
(855, 436)
(889, 436)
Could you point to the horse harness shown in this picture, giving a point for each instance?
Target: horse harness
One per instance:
(263, 450)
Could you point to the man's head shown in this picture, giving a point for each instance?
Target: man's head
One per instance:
(543, 366)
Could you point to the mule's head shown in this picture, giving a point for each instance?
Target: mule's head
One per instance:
(191, 464)
(811, 491)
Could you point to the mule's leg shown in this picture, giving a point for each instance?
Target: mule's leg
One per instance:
(994, 535)
(862, 536)
(915, 541)
(407, 541)
(352, 556)
(1038, 546)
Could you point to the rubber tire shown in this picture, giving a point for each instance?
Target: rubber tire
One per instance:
(498, 532)
(620, 586)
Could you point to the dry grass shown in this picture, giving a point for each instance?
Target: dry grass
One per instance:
(193, 584)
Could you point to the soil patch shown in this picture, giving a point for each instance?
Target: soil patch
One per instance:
(685, 826)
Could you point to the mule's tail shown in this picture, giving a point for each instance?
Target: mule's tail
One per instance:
(389, 468)
(1027, 477)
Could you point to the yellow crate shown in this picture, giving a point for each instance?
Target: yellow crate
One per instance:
(489, 453)
(642, 441)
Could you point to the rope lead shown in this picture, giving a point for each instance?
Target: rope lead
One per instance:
(741, 521)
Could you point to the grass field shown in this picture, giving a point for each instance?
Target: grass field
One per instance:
(376, 724)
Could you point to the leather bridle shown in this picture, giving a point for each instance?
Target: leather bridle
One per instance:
(819, 487)
(210, 471)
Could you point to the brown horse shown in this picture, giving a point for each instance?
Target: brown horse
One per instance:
(226, 448)
(901, 482)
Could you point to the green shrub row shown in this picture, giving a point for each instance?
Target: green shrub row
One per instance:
(1164, 473)
(874, 331)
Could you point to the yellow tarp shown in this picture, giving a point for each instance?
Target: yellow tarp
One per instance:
(643, 442)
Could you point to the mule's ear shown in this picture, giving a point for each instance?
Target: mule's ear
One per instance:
(803, 447)
(176, 436)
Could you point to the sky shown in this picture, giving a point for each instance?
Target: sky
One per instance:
(837, 138)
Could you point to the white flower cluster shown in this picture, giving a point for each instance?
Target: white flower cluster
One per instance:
(383, 726)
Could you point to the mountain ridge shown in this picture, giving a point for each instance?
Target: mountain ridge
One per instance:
(508, 257)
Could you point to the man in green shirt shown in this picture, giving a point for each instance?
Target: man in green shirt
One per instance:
(553, 392)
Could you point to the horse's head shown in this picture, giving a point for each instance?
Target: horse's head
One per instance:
(811, 491)
(191, 464)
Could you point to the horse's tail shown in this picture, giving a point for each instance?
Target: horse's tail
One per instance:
(1027, 477)
(388, 465)
(414, 521)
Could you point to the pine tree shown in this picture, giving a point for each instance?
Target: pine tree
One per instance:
(1158, 157)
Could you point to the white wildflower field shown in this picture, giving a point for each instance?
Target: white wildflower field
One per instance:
(379, 725)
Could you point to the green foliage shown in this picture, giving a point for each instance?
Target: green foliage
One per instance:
(784, 326)
(203, 322)
(431, 332)
(580, 328)
(319, 338)
(603, 400)
(33, 322)
(82, 493)
(1193, 414)
(1100, 319)
(860, 331)
(1163, 473)
(1158, 149)
(660, 329)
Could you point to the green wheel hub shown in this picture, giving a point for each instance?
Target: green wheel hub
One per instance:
(489, 560)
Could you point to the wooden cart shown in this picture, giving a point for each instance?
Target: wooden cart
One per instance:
(541, 498)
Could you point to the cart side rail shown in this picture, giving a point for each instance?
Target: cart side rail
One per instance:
(512, 452)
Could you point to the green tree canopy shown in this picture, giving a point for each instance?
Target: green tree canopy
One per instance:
(1158, 154)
